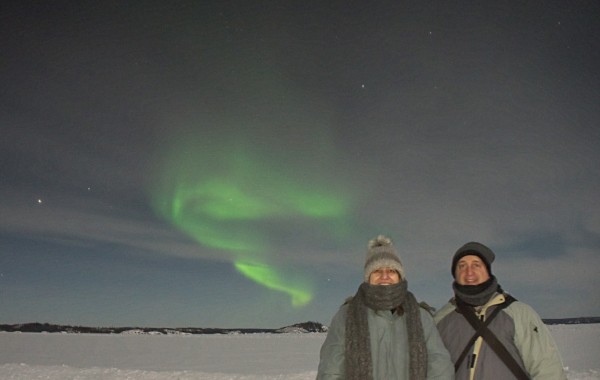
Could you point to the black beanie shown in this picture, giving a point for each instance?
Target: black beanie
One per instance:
(477, 249)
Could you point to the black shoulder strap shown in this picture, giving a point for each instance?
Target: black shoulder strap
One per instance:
(464, 309)
(425, 306)
(481, 329)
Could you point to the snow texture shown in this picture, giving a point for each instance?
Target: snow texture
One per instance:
(215, 357)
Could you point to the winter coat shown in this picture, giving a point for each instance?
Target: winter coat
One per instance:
(518, 327)
(389, 347)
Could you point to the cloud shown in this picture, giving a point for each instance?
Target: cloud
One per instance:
(88, 222)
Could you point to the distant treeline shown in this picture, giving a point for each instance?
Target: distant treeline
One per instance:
(52, 328)
(571, 321)
(305, 327)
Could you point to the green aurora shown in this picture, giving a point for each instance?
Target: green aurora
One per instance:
(224, 195)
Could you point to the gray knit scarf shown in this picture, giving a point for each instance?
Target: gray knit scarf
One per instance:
(358, 363)
(477, 295)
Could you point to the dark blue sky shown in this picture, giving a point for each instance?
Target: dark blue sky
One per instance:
(294, 133)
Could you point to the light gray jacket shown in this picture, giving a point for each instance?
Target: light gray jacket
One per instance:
(389, 348)
(518, 327)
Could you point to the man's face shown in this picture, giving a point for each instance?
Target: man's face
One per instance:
(384, 276)
(470, 270)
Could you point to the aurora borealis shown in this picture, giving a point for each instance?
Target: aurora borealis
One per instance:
(224, 164)
(222, 196)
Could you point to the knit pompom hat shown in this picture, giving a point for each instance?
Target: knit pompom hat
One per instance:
(477, 249)
(382, 254)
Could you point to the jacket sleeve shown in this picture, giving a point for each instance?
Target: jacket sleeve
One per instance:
(439, 365)
(331, 363)
(535, 344)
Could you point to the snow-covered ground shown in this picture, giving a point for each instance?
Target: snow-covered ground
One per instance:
(215, 357)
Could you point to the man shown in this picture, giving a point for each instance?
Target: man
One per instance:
(381, 333)
(511, 341)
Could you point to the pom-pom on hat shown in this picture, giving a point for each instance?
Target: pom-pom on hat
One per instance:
(382, 254)
(476, 249)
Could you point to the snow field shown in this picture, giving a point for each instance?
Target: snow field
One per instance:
(215, 357)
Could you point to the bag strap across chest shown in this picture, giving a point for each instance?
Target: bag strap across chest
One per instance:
(481, 329)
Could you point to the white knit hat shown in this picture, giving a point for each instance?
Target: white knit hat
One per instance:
(382, 254)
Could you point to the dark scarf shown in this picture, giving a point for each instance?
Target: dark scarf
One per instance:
(359, 365)
(477, 295)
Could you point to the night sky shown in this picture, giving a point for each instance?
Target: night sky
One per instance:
(224, 164)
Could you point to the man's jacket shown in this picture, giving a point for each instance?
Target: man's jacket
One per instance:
(518, 327)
